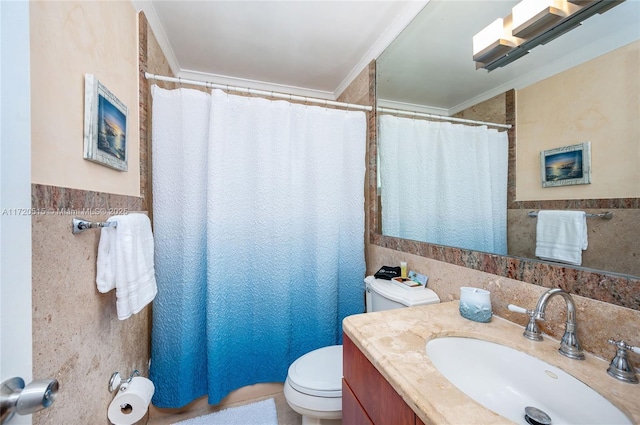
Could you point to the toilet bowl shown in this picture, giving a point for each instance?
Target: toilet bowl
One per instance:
(313, 387)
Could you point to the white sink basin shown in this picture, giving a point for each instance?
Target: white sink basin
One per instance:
(506, 381)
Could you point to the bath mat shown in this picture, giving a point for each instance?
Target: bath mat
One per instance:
(259, 413)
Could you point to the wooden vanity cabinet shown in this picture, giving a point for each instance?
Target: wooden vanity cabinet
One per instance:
(367, 397)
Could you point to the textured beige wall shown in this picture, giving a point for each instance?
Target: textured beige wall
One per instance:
(69, 39)
(597, 102)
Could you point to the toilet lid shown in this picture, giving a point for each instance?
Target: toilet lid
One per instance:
(318, 372)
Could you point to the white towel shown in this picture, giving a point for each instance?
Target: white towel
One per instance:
(125, 263)
(561, 236)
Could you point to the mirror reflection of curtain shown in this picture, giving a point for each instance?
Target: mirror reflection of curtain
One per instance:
(444, 183)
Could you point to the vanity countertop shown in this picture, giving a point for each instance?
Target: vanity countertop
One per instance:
(394, 341)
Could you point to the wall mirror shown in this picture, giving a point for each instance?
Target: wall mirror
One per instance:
(429, 68)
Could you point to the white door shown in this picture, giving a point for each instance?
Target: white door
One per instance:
(15, 196)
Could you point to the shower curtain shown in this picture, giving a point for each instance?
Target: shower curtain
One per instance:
(444, 183)
(258, 210)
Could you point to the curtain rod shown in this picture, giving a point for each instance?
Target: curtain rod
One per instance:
(441, 117)
(247, 90)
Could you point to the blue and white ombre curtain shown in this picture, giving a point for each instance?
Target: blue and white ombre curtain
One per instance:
(258, 210)
(444, 183)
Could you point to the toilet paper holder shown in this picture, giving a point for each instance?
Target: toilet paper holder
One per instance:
(116, 380)
(15, 397)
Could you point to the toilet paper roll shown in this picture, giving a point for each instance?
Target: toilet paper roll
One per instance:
(132, 401)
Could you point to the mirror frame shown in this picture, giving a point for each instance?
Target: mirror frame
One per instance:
(614, 288)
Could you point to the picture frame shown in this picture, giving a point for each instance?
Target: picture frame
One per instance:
(105, 126)
(567, 165)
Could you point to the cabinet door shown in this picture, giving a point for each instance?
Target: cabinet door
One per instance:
(352, 412)
(380, 401)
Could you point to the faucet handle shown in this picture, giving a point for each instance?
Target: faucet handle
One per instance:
(622, 344)
(518, 309)
(531, 331)
(620, 367)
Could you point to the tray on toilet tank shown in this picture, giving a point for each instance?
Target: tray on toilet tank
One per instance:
(405, 282)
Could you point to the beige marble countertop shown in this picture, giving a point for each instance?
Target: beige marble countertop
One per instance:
(394, 341)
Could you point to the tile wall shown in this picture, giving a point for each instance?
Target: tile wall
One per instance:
(77, 337)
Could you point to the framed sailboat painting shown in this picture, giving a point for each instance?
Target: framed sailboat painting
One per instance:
(105, 126)
(568, 165)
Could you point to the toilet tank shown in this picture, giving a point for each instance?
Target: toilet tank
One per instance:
(387, 295)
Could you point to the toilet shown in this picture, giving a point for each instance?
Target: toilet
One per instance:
(313, 387)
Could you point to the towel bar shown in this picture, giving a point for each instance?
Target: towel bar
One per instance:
(605, 215)
(79, 225)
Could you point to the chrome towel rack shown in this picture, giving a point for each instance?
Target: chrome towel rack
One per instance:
(79, 225)
(605, 215)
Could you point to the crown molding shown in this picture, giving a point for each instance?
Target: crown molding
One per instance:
(254, 84)
(404, 106)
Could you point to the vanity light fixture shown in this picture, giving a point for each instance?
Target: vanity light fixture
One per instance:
(494, 42)
(532, 17)
(531, 23)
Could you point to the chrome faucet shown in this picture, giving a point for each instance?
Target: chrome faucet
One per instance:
(569, 346)
(620, 367)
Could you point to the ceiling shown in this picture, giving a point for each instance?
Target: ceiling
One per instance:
(309, 48)
(316, 48)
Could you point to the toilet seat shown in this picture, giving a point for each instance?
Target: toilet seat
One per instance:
(318, 373)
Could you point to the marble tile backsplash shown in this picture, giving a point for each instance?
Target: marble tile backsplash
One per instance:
(597, 321)
(77, 337)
